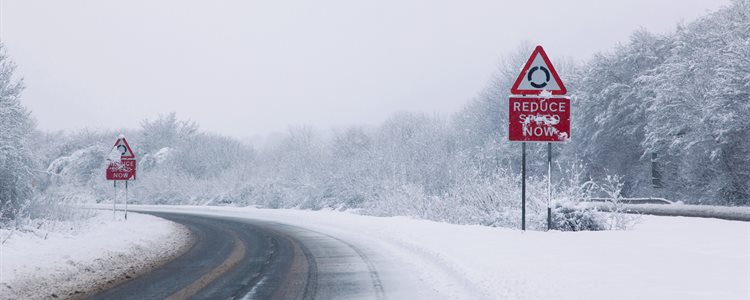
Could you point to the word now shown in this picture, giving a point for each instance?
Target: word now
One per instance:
(539, 119)
(547, 131)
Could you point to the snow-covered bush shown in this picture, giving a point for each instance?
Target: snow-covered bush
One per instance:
(567, 216)
(615, 217)
(79, 168)
(61, 204)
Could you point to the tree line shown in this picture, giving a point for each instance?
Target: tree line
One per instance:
(675, 106)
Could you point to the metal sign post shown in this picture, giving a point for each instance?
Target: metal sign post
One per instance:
(523, 186)
(114, 202)
(549, 186)
(126, 200)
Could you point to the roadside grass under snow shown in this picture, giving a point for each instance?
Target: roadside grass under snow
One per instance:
(660, 258)
(67, 258)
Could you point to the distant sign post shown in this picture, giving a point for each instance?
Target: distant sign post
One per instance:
(122, 170)
(538, 111)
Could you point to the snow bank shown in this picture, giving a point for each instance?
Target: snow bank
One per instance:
(661, 258)
(739, 213)
(77, 257)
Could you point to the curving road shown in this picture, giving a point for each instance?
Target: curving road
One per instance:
(236, 258)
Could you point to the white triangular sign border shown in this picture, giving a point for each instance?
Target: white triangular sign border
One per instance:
(520, 89)
(128, 152)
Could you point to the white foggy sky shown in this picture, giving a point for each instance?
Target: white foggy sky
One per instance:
(246, 68)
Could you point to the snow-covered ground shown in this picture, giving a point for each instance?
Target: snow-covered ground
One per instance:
(661, 258)
(74, 257)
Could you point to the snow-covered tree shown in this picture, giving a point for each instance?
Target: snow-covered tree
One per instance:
(481, 126)
(609, 116)
(698, 108)
(165, 131)
(16, 163)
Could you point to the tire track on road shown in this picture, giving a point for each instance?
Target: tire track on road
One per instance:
(377, 284)
(237, 254)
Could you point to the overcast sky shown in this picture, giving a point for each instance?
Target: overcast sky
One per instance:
(247, 68)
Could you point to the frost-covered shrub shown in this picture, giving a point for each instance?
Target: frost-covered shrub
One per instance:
(60, 204)
(80, 167)
(615, 216)
(403, 200)
(54, 210)
(574, 212)
(567, 217)
(271, 195)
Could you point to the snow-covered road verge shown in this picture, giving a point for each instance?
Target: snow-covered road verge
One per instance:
(661, 258)
(78, 257)
(740, 213)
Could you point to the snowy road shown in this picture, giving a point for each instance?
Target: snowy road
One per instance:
(239, 258)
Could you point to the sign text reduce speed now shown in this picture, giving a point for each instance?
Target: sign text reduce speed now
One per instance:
(121, 170)
(539, 119)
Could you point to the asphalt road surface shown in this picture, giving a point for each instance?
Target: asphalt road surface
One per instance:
(235, 258)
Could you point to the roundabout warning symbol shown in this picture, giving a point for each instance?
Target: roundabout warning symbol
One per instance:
(538, 75)
(122, 146)
(529, 76)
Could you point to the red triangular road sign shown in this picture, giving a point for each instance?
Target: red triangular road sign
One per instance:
(538, 75)
(124, 149)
